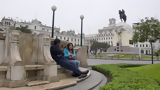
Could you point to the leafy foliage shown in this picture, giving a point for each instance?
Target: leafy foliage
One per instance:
(1, 29)
(157, 53)
(99, 45)
(148, 30)
(124, 79)
(24, 29)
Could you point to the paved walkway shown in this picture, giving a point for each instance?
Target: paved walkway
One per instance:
(92, 62)
(91, 83)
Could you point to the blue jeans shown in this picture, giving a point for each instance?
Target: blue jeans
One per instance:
(72, 65)
(76, 63)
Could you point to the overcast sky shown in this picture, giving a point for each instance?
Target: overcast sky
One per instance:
(96, 12)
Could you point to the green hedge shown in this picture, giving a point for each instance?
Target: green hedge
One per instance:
(124, 79)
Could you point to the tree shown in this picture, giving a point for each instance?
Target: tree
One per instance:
(147, 31)
(99, 45)
(157, 54)
(1, 29)
(24, 29)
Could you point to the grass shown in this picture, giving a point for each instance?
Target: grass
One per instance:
(126, 79)
(151, 70)
(148, 56)
(98, 55)
(124, 56)
(133, 56)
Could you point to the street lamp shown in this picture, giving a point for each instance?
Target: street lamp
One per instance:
(81, 17)
(53, 9)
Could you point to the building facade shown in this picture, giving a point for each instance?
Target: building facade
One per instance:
(37, 27)
(115, 34)
(119, 37)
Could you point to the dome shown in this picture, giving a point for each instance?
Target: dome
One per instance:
(124, 26)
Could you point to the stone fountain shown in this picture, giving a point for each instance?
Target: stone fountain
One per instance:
(25, 58)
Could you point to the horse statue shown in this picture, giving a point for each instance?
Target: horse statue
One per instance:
(122, 15)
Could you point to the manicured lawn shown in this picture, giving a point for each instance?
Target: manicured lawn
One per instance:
(133, 56)
(98, 55)
(152, 70)
(123, 78)
(148, 56)
(125, 56)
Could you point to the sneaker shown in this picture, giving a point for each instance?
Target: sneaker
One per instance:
(75, 75)
(85, 72)
(82, 76)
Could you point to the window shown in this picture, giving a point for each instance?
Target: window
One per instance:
(142, 51)
(111, 43)
(146, 45)
(35, 27)
(117, 44)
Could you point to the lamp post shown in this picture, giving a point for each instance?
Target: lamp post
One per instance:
(53, 9)
(81, 17)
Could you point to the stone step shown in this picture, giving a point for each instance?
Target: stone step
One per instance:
(102, 83)
(33, 67)
(91, 83)
(64, 73)
(3, 68)
(70, 81)
(35, 83)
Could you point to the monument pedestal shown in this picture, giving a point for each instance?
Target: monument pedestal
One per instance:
(82, 55)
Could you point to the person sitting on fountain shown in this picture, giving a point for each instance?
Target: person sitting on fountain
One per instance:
(70, 54)
(58, 56)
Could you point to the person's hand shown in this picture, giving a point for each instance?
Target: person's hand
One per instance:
(71, 55)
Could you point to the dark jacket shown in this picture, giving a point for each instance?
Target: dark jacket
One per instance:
(56, 51)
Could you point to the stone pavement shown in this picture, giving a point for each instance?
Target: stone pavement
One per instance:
(91, 83)
(92, 62)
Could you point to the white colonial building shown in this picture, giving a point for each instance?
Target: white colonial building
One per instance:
(119, 36)
(37, 27)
